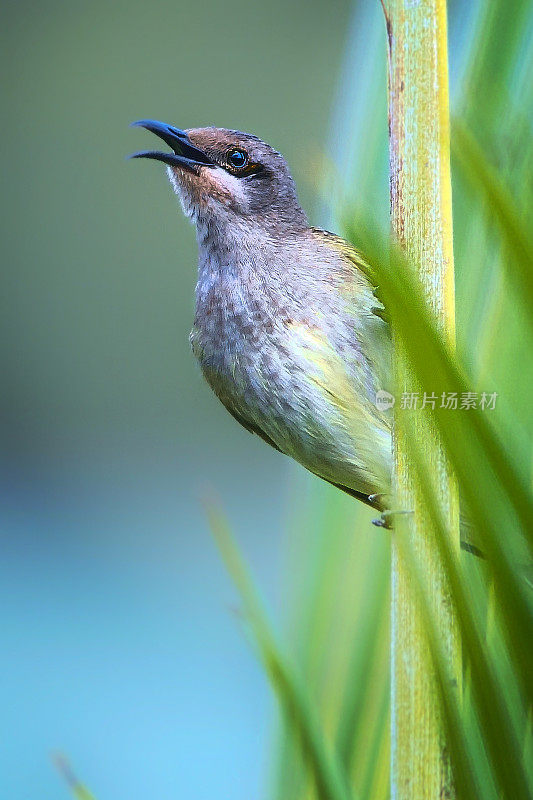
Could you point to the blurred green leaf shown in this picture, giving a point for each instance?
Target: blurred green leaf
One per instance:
(488, 187)
(78, 790)
(329, 777)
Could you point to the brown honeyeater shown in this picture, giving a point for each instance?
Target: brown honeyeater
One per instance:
(287, 330)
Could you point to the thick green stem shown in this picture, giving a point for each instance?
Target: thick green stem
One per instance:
(422, 222)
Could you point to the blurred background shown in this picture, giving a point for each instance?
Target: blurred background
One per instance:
(121, 645)
(119, 642)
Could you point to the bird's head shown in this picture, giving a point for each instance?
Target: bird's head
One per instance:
(223, 176)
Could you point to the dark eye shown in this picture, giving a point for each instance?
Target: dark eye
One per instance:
(237, 159)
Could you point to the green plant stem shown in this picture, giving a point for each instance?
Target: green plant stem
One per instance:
(422, 222)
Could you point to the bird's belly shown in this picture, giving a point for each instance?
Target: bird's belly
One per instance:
(270, 381)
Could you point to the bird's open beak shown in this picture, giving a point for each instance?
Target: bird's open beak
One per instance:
(185, 155)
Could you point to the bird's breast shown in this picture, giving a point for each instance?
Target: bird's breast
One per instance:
(239, 335)
(285, 359)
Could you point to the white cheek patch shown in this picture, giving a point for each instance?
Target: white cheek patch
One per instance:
(213, 186)
(225, 184)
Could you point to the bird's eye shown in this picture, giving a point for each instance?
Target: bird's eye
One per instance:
(237, 159)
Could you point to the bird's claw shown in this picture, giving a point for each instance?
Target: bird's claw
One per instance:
(385, 519)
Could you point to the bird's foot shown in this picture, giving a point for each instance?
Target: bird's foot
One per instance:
(386, 517)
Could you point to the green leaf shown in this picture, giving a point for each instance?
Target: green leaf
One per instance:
(78, 790)
(329, 777)
(488, 187)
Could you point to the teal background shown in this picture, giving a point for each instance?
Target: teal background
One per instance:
(119, 642)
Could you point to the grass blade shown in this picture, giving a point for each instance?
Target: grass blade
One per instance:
(489, 187)
(329, 777)
(79, 791)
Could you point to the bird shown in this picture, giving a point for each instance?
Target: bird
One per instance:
(288, 330)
